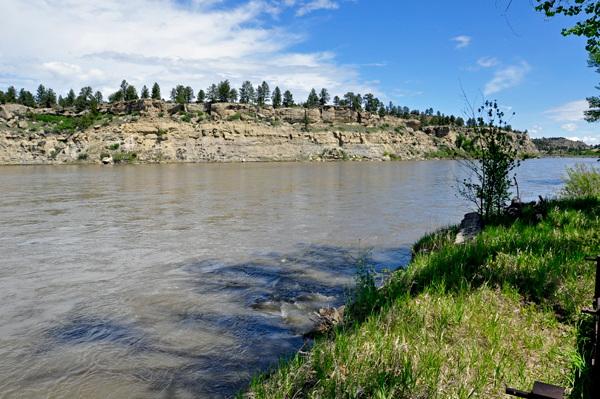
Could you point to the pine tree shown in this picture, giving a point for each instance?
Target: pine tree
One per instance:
(324, 97)
(70, 100)
(11, 95)
(124, 86)
(262, 94)
(188, 94)
(336, 100)
(313, 99)
(40, 94)
(145, 93)
(233, 95)
(212, 93)
(288, 99)
(276, 99)
(201, 96)
(223, 91)
(98, 96)
(156, 92)
(131, 93)
(2, 97)
(247, 95)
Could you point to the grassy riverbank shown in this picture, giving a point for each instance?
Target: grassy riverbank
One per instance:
(464, 320)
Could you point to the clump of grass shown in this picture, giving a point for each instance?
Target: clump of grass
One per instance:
(464, 320)
(82, 157)
(581, 180)
(186, 119)
(234, 117)
(125, 157)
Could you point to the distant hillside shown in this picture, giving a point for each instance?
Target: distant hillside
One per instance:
(560, 144)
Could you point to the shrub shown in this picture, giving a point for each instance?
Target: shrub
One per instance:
(160, 132)
(114, 147)
(125, 157)
(200, 113)
(161, 114)
(53, 154)
(582, 180)
(82, 156)
(104, 155)
(135, 113)
(186, 119)
(182, 112)
(234, 117)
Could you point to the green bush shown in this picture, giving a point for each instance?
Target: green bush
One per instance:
(200, 113)
(104, 155)
(161, 114)
(182, 112)
(186, 119)
(234, 117)
(135, 113)
(53, 154)
(114, 147)
(581, 180)
(82, 156)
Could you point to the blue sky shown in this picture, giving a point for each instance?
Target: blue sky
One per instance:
(416, 54)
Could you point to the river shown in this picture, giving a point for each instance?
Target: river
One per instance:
(180, 281)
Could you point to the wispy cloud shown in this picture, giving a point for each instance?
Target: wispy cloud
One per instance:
(463, 41)
(317, 5)
(570, 127)
(507, 77)
(487, 62)
(571, 111)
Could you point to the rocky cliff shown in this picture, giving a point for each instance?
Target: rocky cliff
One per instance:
(155, 131)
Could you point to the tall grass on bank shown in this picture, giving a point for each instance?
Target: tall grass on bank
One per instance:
(464, 321)
(580, 181)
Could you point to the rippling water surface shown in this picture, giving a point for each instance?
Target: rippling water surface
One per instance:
(177, 281)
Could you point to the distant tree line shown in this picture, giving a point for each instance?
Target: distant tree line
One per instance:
(260, 95)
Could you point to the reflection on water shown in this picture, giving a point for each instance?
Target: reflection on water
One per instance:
(177, 281)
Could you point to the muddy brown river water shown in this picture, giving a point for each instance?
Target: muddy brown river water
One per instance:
(180, 281)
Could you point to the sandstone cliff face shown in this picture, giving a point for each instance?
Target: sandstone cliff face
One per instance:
(259, 134)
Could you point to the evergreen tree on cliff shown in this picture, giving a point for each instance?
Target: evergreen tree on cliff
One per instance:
(188, 94)
(247, 93)
(131, 94)
(201, 96)
(145, 93)
(336, 100)
(178, 94)
(212, 93)
(70, 100)
(223, 91)
(2, 97)
(276, 98)
(124, 86)
(288, 99)
(11, 95)
(262, 94)
(26, 98)
(40, 94)
(99, 97)
(313, 99)
(324, 97)
(233, 95)
(156, 92)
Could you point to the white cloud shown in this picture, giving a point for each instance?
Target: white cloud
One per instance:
(570, 127)
(463, 41)
(536, 129)
(317, 5)
(487, 62)
(71, 44)
(507, 77)
(373, 82)
(571, 111)
(587, 139)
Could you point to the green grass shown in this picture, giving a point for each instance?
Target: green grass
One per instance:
(125, 157)
(463, 320)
